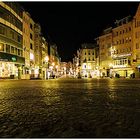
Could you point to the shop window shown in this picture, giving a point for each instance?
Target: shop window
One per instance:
(1, 47)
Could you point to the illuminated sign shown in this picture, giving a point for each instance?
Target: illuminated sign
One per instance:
(14, 59)
(124, 55)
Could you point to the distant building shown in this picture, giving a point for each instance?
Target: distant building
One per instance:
(88, 60)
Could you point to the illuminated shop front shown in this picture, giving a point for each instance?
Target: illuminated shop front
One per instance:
(11, 65)
(121, 67)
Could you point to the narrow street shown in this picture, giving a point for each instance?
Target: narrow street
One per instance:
(68, 108)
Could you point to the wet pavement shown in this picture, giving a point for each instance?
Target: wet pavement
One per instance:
(70, 108)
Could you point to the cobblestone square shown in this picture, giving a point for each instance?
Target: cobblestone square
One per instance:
(70, 108)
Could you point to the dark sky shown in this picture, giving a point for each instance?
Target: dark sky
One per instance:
(69, 24)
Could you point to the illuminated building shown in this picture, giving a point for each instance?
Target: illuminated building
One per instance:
(44, 57)
(28, 44)
(136, 43)
(76, 64)
(11, 40)
(119, 48)
(54, 62)
(105, 52)
(122, 47)
(63, 66)
(88, 61)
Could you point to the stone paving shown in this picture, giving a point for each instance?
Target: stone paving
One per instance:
(70, 108)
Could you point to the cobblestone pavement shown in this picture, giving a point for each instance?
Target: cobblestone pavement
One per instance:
(70, 108)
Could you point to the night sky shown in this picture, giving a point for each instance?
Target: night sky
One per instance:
(69, 24)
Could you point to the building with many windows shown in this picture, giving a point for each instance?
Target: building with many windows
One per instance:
(105, 52)
(88, 60)
(136, 43)
(120, 55)
(28, 45)
(11, 40)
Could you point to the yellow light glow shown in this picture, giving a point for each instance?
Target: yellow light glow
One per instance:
(31, 56)
(46, 59)
(53, 64)
(56, 66)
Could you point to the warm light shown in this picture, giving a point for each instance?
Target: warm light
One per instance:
(46, 59)
(36, 71)
(56, 66)
(110, 65)
(53, 64)
(31, 56)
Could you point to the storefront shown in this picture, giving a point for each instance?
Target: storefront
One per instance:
(11, 66)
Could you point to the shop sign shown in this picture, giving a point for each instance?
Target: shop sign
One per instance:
(14, 59)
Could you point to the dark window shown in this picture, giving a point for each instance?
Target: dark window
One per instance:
(18, 52)
(85, 53)
(21, 52)
(31, 36)
(2, 30)
(137, 45)
(7, 48)
(12, 49)
(31, 46)
(31, 26)
(19, 38)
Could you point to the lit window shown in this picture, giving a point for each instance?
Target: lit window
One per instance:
(1, 47)
(31, 56)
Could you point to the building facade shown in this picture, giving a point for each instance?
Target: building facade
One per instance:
(28, 45)
(11, 40)
(136, 43)
(88, 61)
(105, 52)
